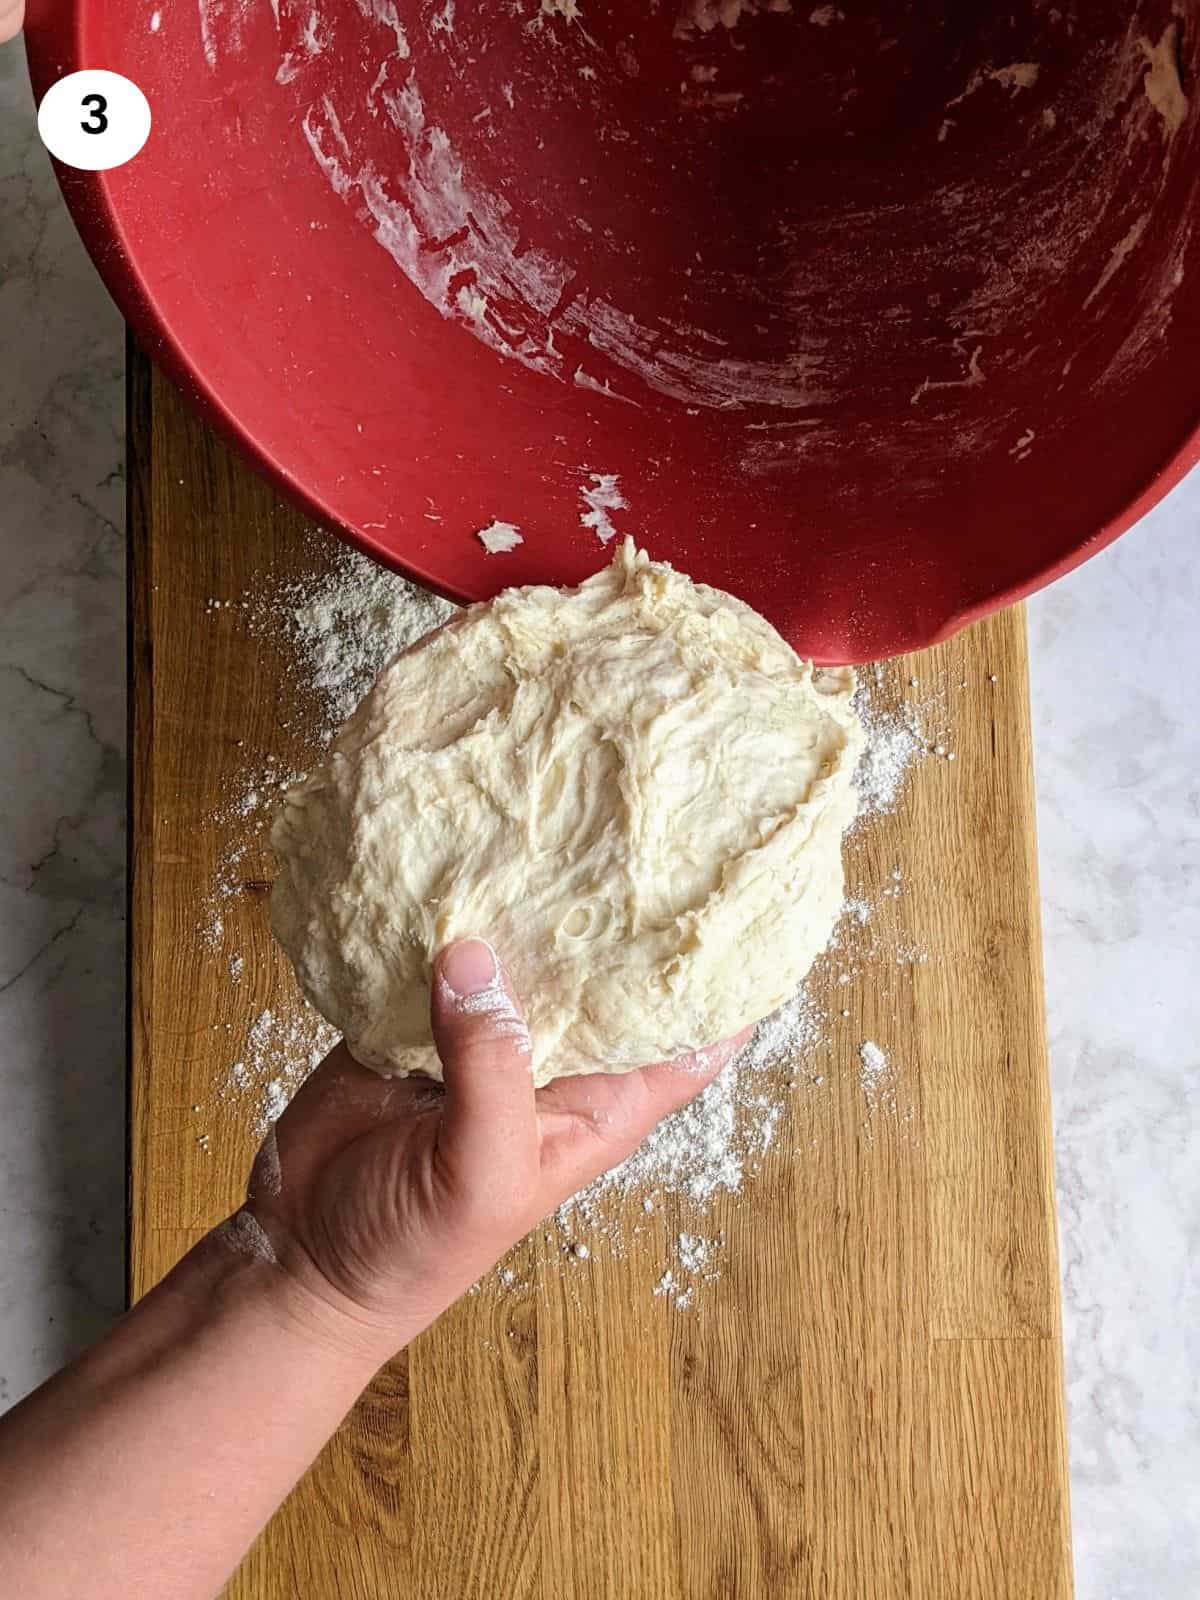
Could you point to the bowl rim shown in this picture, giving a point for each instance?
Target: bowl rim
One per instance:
(54, 49)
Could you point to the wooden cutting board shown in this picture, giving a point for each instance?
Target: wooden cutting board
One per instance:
(867, 1403)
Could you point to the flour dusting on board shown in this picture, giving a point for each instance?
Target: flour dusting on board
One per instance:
(279, 1052)
(344, 629)
(341, 628)
(894, 740)
(874, 1064)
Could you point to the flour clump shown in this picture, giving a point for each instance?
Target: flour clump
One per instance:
(636, 790)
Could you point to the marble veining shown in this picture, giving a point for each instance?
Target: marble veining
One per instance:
(1115, 663)
(1116, 697)
(62, 771)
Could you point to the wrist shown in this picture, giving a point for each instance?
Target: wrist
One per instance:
(308, 1306)
(236, 1273)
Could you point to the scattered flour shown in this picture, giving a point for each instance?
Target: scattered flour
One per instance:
(894, 742)
(670, 1286)
(875, 1078)
(244, 1233)
(268, 1172)
(874, 1062)
(694, 1264)
(349, 627)
(343, 627)
(279, 1053)
(709, 1148)
(695, 1252)
(858, 909)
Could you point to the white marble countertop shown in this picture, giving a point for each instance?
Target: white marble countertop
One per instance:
(1116, 702)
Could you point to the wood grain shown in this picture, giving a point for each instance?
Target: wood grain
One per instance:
(867, 1403)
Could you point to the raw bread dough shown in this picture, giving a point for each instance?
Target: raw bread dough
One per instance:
(634, 789)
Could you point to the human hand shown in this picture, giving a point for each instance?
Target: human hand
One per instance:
(12, 17)
(385, 1199)
(373, 1206)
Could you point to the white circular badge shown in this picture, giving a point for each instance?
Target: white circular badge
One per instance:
(94, 120)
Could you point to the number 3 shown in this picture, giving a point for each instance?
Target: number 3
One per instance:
(92, 120)
(97, 121)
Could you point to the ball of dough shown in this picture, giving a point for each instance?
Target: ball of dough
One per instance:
(634, 789)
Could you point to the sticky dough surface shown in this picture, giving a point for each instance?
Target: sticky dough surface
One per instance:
(635, 789)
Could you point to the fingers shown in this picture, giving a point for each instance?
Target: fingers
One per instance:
(592, 1122)
(671, 1084)
(489, 1126)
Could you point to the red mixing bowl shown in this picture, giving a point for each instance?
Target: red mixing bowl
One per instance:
(877, 315)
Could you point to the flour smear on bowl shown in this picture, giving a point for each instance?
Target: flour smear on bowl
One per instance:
(479, 247)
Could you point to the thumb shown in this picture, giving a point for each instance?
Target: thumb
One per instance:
(490, 1116)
